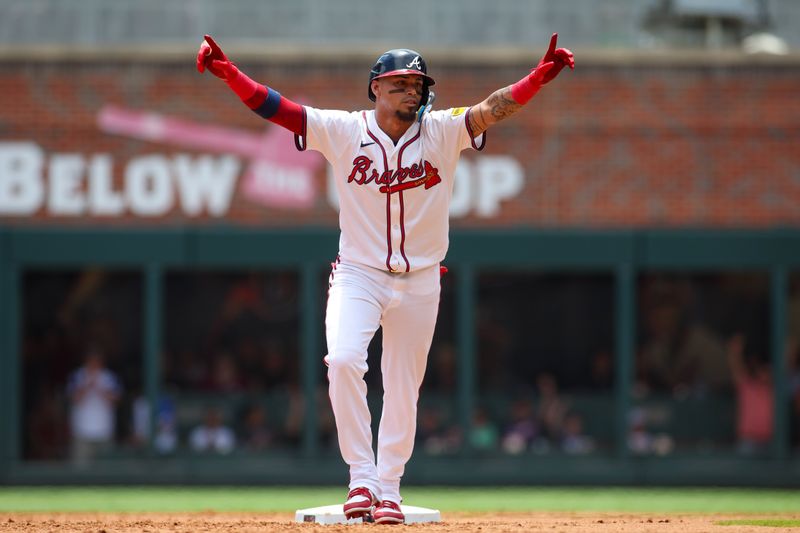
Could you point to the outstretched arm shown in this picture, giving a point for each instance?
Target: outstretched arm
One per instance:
(266, 102)
(504, 102)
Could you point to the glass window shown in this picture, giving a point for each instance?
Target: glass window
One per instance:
(81, 362)
(230, 363)
(545, 360)
(438, 429)
(703, 378)
(793, 354)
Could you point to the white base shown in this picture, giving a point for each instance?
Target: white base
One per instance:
(334, 514)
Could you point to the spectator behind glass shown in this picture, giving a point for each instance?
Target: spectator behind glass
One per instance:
(294, 420)
(166, 437)
(255, 435)
(601, 374)
(523, 430)
(442, 369)
(433, 435)
(224, 375)
(93, 391)
(678, 353)
(573, 439)
(552, 408)
(754, 397)
(47, 427)
(212, 435)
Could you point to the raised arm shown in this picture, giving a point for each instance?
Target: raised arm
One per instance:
(266, 102)
(504, 102)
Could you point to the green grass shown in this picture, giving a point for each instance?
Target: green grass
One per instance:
(769, 522)
(288, 499)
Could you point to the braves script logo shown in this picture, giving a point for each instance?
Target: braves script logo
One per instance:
(415, 63)
(391, 181)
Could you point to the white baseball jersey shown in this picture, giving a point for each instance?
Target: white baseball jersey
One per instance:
(394, 198)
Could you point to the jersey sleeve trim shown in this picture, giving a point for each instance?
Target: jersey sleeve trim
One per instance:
(300, 141)
(472, 135)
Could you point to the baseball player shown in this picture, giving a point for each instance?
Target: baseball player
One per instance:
(394, 167)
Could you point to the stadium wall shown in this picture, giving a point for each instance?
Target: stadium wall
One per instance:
(678, 162)
(624, 141)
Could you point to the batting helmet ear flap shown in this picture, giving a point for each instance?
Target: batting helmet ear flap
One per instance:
(371, 92)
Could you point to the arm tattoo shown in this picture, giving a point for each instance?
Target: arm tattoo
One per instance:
(502, 104)
(477, 122)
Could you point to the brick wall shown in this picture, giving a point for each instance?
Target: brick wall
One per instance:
(603, 146)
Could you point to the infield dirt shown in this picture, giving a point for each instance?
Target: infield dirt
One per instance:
(452, 523)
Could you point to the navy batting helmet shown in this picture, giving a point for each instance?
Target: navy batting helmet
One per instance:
(397, 62)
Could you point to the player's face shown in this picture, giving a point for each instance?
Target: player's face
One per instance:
(401, 94)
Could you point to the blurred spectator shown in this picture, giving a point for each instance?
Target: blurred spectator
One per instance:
(433, 435)
(255, 434)
(250, 358)
(85, 292)
(573, 439)
(484, 435)
(552, 408)
(166, 437)
(273, 371)
(495, 343)
(643, 441)
(245, 299)
(281, 293)
(254, 304)
(523, 430)
(187, 370)
(224, 375)
(325, 419)
(93, 391)
(212, 435)
(296, 415)
(754, 397)
(47, 428)
(442, 372)
(678, 354)
(601, 373)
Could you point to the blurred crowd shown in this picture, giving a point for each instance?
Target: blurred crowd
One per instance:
(229, 376)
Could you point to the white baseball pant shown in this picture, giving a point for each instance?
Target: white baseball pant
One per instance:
(360, 299)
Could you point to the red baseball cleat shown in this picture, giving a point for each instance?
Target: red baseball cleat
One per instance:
(360, 502)
(389, 512)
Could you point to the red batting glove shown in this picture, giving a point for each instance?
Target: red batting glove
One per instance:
(524, 89)
(210, 56)
(561, 57)
(548, 68)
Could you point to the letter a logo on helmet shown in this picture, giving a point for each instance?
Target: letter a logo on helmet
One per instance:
(400, 62)
(415, 64)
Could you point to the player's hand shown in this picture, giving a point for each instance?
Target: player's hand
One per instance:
(210, 56)
(541, 74)
(560, 57)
